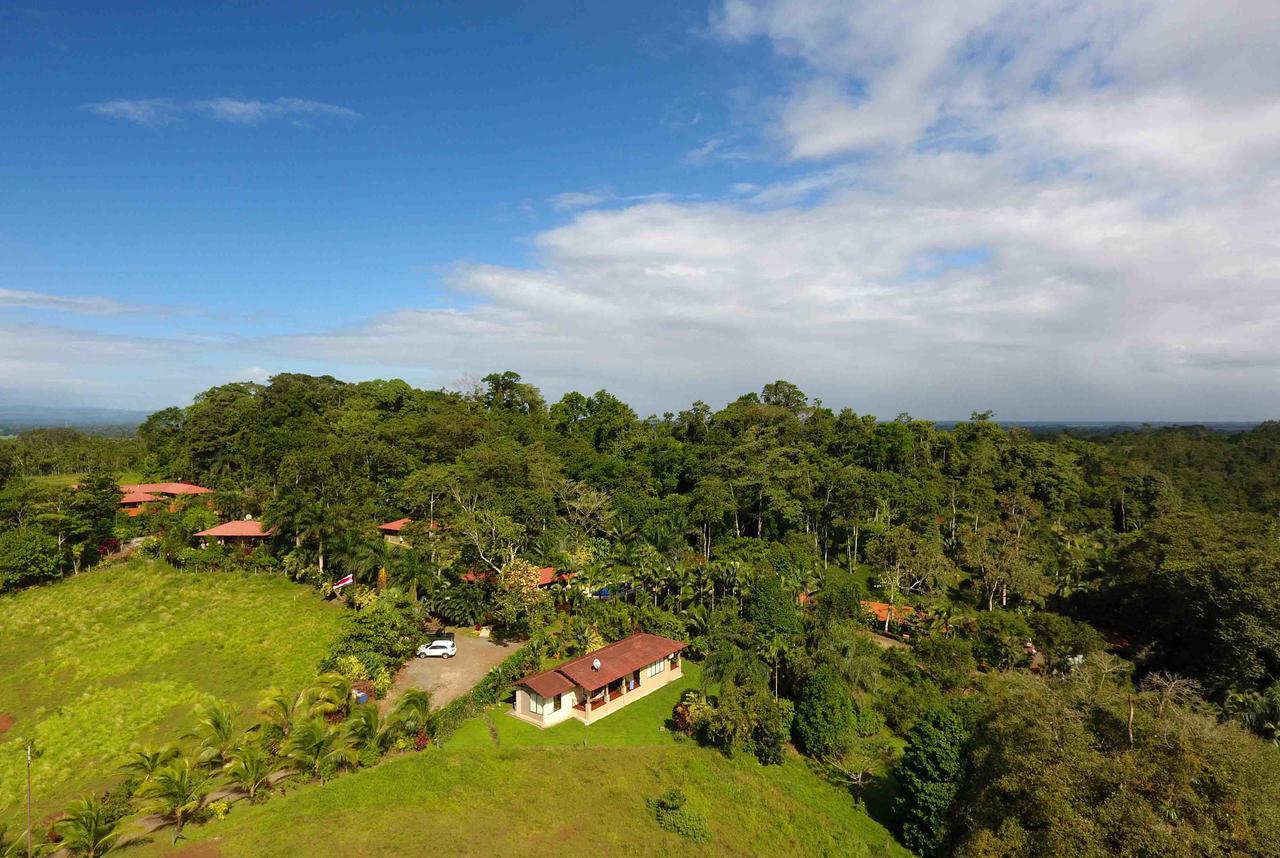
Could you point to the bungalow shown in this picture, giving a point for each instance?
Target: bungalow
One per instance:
(171, 490)
(135, 496)
(133, 502)
(547, 576)
(246, 534)
(592, 686)
(885, 613)
(391, 531)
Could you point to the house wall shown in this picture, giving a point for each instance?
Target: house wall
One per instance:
(523, 709)
(647, 685)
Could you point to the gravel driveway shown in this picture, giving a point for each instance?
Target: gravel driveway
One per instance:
(447, 678)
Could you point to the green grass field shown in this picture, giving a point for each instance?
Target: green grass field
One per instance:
(91, 664)
(570, 789)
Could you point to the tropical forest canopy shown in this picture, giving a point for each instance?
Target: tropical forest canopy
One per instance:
(757, 532)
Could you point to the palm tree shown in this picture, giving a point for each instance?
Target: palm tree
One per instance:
(86, 828)
(410, 712)
(248, 768)
(217, 732)
(330, 693)
(279, 708)
(316, 747)
(144, 762)
(364, 727)
(774, 648)
(176, 792)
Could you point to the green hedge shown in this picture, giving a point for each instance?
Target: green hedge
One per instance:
(492, 688)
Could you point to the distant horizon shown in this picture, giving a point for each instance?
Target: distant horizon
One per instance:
(9, 408)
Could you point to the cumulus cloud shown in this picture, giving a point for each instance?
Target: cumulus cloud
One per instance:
(1057, 209)
(235, 111)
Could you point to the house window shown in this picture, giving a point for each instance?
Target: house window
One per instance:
(556, 701)
(537, 703)
(655, 668)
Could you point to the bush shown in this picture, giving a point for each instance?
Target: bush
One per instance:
(824, 722)
(671, 813)
(1000, 639)
(690, 715)
(27, 555)
(930, 773)
(949, 661)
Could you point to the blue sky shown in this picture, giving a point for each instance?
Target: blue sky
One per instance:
(1052, 212)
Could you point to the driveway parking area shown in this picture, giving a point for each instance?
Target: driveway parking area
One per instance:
(447, 678)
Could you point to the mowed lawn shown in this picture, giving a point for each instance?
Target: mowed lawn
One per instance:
(93, 663)
(567, 790)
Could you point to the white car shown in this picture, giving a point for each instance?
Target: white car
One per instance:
(438, 649)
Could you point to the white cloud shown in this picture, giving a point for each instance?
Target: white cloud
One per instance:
(571, 200)
(250, 112)
(1056, 209)
(235, 111)
(143, 111)
(91, 305)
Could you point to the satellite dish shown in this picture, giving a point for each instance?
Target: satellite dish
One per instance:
(595, 664)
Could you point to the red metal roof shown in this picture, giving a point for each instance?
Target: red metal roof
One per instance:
(549, 683)
(616, 661)
(395, 526)
(139, 497)
(165, 488)
(547, 576)
(248, 527)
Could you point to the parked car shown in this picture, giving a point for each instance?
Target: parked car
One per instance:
(438, 649)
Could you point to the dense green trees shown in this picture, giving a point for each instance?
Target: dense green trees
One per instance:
(754, 532)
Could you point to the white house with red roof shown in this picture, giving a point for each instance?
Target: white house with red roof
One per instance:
(599, 683)
(246, 533)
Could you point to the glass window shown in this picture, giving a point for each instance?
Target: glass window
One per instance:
(537, 703)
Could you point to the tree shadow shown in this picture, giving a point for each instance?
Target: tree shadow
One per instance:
(879, 796)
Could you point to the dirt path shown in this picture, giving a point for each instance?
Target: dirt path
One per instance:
(446, 679)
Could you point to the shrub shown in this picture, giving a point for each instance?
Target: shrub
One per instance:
(671, 812)
(1000, 639)
(930, 773)
(824, 722)
(27, 554)
(690, 715)
(949, 661)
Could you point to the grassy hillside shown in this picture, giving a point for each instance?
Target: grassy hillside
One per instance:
(501, 786)
(91, 664)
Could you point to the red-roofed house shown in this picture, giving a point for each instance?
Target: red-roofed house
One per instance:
(247, 533)
(391, 530)
(592, 686)
(166, 489)
(133, 502)
(547, 576)
(886, 613)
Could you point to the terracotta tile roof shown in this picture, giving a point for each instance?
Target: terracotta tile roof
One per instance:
(395, 526)
(884, 611)
(616, 661)
(165, 488)
(139, 497)
(248, 527)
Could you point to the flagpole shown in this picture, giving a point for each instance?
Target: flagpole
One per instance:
(28, 798)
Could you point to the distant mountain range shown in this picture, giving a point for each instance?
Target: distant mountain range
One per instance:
(16, 418)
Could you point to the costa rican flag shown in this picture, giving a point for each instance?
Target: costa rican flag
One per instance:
(342, 582)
